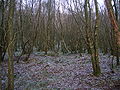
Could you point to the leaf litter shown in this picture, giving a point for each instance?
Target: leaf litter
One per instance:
(64, 72)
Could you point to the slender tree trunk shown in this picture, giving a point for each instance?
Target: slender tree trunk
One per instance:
(113, 21)
(21, 26)
(114, 25)
(0, 76)
(10, 48)
(87, 28)
(1, 27)
(1, 37)
(117, 48)
(48, 27)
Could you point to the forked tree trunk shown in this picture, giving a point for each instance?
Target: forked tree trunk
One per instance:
(93, 45)
(97, 66)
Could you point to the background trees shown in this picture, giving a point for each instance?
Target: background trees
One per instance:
(52, 22)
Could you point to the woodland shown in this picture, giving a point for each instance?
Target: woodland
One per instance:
(59, 45)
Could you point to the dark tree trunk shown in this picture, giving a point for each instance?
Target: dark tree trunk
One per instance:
(10, 49)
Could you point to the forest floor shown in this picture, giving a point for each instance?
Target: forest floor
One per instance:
(64, 72)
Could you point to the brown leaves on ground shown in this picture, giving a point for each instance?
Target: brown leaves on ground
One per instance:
(63, 72)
